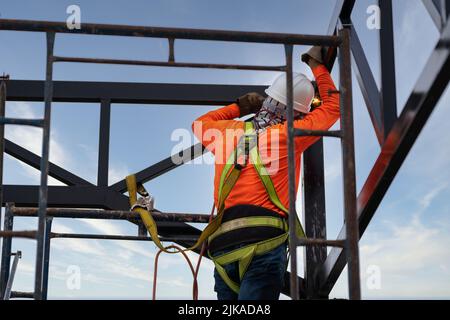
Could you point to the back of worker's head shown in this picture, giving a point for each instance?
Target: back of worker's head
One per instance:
(303, 91)
(274, 109)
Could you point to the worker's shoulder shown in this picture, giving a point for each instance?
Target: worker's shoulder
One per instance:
(230, 124)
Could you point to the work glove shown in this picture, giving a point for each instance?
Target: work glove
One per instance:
(317, 53)
(250, 103)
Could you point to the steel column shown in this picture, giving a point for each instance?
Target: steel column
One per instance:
(48, 230)
(103, 145)
(388, 92)
(348, 162)
(2, 136)
(43, 189)
(6, 249)
(315, 216)
(291, 172)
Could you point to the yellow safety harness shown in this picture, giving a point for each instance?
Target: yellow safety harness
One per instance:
(247, 148)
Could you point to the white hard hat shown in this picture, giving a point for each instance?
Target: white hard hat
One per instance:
(303, 91)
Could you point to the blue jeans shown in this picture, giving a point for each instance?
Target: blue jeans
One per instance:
(263, 279)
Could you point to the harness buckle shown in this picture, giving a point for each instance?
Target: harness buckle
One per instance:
(147, 203)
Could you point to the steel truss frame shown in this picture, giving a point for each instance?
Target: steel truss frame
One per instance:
(396, 135)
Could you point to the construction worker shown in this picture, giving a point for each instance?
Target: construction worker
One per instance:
(249, 248)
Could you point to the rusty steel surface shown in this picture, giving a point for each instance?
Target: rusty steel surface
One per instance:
(176, 33)
(111, 214)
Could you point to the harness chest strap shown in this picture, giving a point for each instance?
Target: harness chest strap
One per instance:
(231, 172)
(228, 179)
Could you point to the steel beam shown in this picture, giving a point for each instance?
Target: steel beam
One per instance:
(175, 33)
(163, 166)
(418, 108)
(110, 214)
(22, 295)
(342, 11)
(367, 83)
(130, 93)
(34, 160)
(68, 197)
(434, 13)
(146, 63)
(191, 239)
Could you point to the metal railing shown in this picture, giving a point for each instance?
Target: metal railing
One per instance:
(340, 41)
(12, 274)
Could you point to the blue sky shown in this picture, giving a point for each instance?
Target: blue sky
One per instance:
(408, 235)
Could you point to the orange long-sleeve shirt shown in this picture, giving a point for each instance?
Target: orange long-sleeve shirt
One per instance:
(219, 133)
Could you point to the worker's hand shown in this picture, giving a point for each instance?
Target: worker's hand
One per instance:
(314, 56)
(250, 103)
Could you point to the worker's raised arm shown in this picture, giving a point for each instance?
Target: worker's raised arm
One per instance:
(204, 126)
(323, 117)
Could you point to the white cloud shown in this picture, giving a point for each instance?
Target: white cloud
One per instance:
(113, 228)
(59, 227)
(117, 172)
(25, 267)
(413, 259)
(31, 139)
(104, 226)
(84, 246)
(332, 171)
(427, 198)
